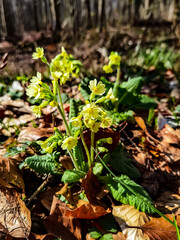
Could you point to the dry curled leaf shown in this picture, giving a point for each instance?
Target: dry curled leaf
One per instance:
(60, 225)
(91, 187)
(31, 134)
(15, 218)
(87, 211)
(10, 175)
(128, 215)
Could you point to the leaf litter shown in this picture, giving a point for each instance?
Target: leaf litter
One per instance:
(154, 153)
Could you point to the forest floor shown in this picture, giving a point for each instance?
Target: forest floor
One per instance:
(29, 205)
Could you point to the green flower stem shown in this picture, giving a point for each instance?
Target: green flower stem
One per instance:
(64, 119)
(61, 110)
(60, 99)
(86, 149)
(117, 79)
(92, 146)
(73, 159)
(116, 84)
(177, 228)
(131, 190)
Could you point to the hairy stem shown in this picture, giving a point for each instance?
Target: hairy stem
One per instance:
(64, 119)
(60, 99)
(86, 149)
(92, 146)
(73, 160)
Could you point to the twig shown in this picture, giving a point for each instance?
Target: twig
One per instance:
(38, 190)
(137, 148)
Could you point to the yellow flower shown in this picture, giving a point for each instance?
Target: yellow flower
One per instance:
(111, 96)
(53, 103)
(69, 143)
(56, 75)
(76, 121)
(105, 122)
(36, 110)
(90, 111)
(92, 124)
(33, 90)
(109, 140)
(36, 79)
(38, 54)
(97, 89)
(107, 69)
(64, 53)
(51, 148)
(115, 59)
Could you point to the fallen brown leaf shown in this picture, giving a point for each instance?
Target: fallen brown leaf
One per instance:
(15, 218)
(60, 225)
(169, 202)
(87, 211)
(170, 145)
(161, 229)
(31, 134)
(91, 187)
(10, 175)
(128, 215)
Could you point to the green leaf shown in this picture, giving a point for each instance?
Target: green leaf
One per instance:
(177, 109)
(107, 83)
(95, 234)
(15, 150)
(79, 155)
(73, 113)
(97, 169)
(133, 85)
(146, 102)
(122, 116)
(107, 236)
(72, 176)
(84, 88)
(64, 97)
(120, 161)
(42, 164)
(125, 190)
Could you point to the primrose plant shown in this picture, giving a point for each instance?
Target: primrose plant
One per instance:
(90, 118)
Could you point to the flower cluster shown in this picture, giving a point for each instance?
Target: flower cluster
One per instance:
(114, 62)
(92, 115)
(63, 66)
(39, 90)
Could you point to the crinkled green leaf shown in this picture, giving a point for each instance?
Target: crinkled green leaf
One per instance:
(97, 169)
(133, 85)
(72, 176)
(107, 236)
(125, 190)
(79, 156)
(42, 164)
(120, 161)
(73, 113)
(122, 116)
(95, 234)
(15, 150)
(84, 88)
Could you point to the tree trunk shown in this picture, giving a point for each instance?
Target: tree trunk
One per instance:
(12, 21)
(58, 14)
(89, 23)
(103, 15)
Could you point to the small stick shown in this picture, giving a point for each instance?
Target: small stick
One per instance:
(38, 190)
